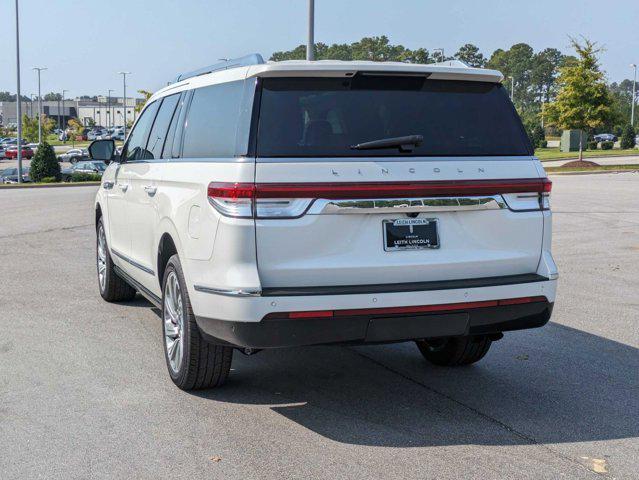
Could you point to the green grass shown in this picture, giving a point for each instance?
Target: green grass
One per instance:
(592, 169)
(554, 153)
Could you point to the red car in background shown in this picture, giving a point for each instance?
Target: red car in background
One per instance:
(12, 152)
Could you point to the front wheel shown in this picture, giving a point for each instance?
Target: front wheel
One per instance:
(112, 287)
(193, 363)
(454, 351)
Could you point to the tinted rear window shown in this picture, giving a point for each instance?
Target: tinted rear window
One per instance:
(321, 117)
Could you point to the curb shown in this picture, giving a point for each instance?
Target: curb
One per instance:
(19, 186)
(591, 159)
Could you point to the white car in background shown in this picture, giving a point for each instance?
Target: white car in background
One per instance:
(74, 155)
(366, 203)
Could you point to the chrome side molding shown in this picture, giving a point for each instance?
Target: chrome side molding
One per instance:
(406, 205)
(249, 292)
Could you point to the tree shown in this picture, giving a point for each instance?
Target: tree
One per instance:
(628, 137)
(44, 163)
(583, 101)
(377, 49)
(30, 127)
(76, 127)
(52, 97)
(471, 55)
(146, 95)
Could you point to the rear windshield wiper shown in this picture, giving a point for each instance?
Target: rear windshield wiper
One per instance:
(405, 144)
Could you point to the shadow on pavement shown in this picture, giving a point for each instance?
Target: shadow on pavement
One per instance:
(551, 385)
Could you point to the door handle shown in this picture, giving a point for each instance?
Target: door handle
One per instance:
(150, 190)
(123, 186)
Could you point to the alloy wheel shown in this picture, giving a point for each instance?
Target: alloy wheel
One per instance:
(173, 322)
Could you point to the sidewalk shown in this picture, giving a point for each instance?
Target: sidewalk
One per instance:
(625, 160)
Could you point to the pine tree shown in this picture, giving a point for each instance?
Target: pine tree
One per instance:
(44, 163)
(628, 137)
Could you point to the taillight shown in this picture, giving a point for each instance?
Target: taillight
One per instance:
(292, 200)
(241, 200)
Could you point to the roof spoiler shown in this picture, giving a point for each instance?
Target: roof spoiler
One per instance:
(252, 59)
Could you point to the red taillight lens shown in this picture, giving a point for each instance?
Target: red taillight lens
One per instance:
(291, 200)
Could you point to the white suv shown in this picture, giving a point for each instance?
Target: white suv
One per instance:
(264, 205)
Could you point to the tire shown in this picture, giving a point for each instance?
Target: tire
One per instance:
(73, 160)
(193, 363)
(454, 351)
(112, 288)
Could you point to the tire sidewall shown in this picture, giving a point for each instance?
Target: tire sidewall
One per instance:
(107, 270)
(179, 377)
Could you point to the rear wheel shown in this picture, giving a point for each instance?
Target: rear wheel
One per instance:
(112, 287)
(193, 363)
(454, 351)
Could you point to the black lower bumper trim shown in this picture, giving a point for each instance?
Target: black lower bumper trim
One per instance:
(286, 332)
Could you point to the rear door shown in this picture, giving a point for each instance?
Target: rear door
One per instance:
(443, 208)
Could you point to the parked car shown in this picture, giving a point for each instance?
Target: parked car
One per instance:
(97, 134)
(118, 134)
(2, 151)
(74, 155)
(10, 175)
(93, 166)
(367, 203)
(12, 152)
(605, 137)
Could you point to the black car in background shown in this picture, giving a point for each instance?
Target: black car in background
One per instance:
(92, 167)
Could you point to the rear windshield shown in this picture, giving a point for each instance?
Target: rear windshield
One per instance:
(324, 117)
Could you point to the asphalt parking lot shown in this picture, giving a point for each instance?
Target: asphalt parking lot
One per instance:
(84, 391)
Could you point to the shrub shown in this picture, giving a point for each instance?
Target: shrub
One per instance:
(538, 136)
(607, 145)
(628, 137)
(592, 145)
(44, 163)
(48, 180)
(543, 144)
(85, 177)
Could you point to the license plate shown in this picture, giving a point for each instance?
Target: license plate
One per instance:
(410, 234)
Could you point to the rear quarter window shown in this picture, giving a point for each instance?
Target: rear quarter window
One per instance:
(212, 120)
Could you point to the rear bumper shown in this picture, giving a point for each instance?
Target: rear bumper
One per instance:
(375, 327)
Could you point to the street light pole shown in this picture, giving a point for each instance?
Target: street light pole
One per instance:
(634, 95)
(512, 89)
(310, 44)
(39, 69)
(124, 74)
(63, 119)
(110, 122)
(18, 99)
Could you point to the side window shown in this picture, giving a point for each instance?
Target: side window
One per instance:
(135, 148)
(160, 126)
(211, 124)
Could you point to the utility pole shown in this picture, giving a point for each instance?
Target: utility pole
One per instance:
(18, 98)
(512, 89)
(110, 114)
(124, 74)
(634, 95)
(39, 70)
(63, 117)
(310, 44)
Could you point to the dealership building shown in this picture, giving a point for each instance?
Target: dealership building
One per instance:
(102, 110)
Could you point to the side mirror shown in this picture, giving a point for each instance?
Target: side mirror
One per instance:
(102, 150)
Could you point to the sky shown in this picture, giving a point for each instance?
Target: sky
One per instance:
(85, 43)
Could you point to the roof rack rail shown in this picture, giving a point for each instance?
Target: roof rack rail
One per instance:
(252, 59)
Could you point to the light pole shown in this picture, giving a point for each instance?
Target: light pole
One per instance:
(634, 95)
(441, 52)
(18, 99)
(110, 122)
(63, 118)
(512, 89)
(124, 74)
(310, 44)
(39, 70)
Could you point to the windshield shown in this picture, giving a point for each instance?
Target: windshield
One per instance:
(325, 117)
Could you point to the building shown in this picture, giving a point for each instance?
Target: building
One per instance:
(104, 111)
